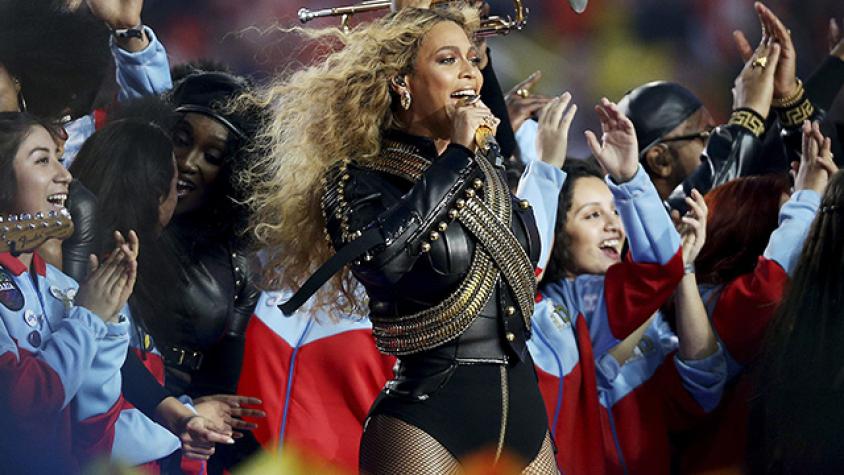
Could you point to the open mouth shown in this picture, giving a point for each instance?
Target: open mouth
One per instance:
(184, 187)
(611, 248)
(468, 95)
(57, 199)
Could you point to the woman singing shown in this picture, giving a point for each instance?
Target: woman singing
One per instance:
(377, 144)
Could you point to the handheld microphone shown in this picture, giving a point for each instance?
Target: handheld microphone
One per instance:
(485, 139)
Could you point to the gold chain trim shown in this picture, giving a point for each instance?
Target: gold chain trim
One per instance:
(499, 241)
(446, 321)
(788, 101)
(505, 412)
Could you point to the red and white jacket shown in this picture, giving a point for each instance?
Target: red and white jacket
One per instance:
(740, 312)
(579, 320)
(316, 377)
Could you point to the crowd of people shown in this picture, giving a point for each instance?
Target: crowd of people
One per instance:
(382, 262)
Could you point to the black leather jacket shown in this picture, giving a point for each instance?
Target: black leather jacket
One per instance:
(401, 277)
(201, 334)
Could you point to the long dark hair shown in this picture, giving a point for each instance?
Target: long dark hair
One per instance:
(14, 128)
(561, 259)
(61, 58)
(128, 164)
(742, 215)
(801, 374)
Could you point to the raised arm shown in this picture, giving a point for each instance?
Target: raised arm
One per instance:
(756, 295)
(543, 179)
(140, 59)
(618, 303)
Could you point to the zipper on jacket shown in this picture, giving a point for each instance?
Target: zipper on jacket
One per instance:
(289, 388)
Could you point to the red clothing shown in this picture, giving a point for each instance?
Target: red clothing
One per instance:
(565, 358)
(317, 381)
(740, 315)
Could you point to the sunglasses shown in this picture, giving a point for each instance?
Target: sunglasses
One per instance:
(703, 135)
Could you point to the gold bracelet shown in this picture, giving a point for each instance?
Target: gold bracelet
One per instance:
(786, 102)
(749, 119)
(796, 114)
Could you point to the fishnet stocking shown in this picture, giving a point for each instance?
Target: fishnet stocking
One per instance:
(391, 446)
(544, 462)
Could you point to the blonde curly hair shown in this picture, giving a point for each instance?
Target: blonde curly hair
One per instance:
(335, 110)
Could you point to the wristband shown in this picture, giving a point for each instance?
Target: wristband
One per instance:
(689, 268)
(790, 101)
(796, 114)
(749, 119)
(124, 33)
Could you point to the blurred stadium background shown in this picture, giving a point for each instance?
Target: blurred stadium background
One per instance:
(614, 46)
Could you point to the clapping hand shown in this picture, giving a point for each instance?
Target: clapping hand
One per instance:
(110, 284)
(816, 165)
(618, 150)
(199, 434)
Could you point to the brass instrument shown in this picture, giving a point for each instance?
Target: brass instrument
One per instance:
(490, 26)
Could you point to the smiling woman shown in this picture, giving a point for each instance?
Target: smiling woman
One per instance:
(589, 235)
(39, 182)
(61, 344)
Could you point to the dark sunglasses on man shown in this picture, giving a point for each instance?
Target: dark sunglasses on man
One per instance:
(703, 135)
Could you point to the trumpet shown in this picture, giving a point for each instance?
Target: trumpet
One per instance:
(490, 26)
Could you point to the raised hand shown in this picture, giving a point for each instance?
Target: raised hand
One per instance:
(692, 226)
(836, 39)
(117, 13)
(120, 14)
(554, 122)
(774, 31)
(618, 150)
(754, 86)
(100, 293)
(228, 410)
(521, 104)
(816, 165)
(131, 250)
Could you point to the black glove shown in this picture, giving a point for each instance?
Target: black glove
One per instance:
(82, 205)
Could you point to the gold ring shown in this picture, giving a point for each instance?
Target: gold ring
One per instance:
(762, 62)
(523, 93)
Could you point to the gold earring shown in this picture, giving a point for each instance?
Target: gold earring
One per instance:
(406, 99)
